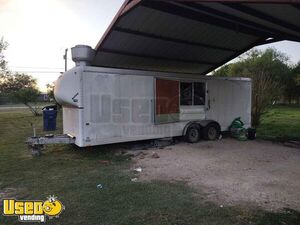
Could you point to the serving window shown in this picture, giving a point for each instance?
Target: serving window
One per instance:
(192, 93)
(167, 101)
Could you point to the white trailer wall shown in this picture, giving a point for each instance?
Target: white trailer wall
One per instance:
(227, 100)
(120, 108)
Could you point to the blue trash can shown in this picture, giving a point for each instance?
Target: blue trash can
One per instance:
(49, 117)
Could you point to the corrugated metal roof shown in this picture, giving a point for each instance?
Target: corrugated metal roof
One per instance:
(193, 36)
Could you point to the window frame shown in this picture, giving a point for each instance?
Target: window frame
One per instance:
(193, 92)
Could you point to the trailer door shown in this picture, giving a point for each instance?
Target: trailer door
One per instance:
(229, 99)
(166, 101)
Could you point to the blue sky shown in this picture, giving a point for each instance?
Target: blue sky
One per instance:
(38, 31)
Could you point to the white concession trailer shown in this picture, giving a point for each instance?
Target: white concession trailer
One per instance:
(105, 105)
(117, 94)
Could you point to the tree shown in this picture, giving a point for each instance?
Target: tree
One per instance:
(28, 96)
(223, 71)
(50, 91)
(21, 87)
(268, 70)
(3, 62)
(295, 86)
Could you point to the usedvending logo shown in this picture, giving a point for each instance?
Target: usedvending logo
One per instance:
(33, 211)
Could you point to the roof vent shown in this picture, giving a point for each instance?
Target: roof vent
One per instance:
(82, 55)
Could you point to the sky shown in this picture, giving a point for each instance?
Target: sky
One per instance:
(39, 31)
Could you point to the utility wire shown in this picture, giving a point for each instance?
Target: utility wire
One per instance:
(38, 71)
(33, 67)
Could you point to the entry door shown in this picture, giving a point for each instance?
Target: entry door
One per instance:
(166, 101)
(229, 99)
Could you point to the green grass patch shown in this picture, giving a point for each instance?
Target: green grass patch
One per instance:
(72, 174)
(281, 123)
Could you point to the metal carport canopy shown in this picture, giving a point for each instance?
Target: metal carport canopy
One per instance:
(193, 36)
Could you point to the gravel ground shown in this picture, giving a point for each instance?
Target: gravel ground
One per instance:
(230, 172)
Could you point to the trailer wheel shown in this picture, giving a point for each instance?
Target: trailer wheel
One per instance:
(193, 134)
(212, 131)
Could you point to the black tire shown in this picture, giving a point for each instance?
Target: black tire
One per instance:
(212, 131)
(193, 134)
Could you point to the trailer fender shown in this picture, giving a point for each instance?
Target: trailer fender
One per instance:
(200, 123)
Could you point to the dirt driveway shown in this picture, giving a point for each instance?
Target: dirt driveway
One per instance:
(230, 172)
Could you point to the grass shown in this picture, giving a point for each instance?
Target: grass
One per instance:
(281, 123)
(72, 174)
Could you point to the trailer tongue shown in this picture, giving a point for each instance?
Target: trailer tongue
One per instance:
(36, 144)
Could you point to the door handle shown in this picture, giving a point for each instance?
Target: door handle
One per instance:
(208, 104)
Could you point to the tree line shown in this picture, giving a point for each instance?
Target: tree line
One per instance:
(274, 79)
